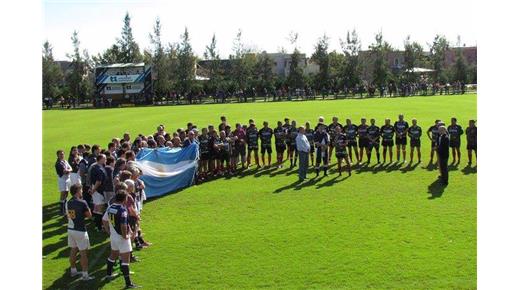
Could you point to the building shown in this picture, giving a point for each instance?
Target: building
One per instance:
(124, 83)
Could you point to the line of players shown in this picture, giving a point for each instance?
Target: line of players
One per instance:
(221, 151)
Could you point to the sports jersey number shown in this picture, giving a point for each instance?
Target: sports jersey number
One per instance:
(112, 219)
(71, 213)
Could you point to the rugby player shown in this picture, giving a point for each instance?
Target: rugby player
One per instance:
(203, 154)
(293, 133)
(252, 143)
(373, 135)
(218, 145)
(266, 134)
(471, 138)
(309, 133)
(225, 152)
(340, 142)
(401, 129)
(433, 135)
(279, 141)
(332, 133)
(77, 211)
(97, 178)
(455, 131)
(212, 154)
(321, 141)
(287, 128)
(240, 143)
(351, 133)
(387, 131)
(74, 160)
(223, 123)
(115, 222)
(63, 170)
(415, 132)
(362, 131)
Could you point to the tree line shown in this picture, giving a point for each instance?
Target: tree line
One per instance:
(175, 65)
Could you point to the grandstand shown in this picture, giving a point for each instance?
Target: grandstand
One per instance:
(123, 83)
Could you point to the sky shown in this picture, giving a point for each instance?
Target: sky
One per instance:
(265, 24)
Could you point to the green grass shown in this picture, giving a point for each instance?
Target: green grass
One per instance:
(376, 229)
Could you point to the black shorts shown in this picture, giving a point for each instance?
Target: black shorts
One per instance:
(400, 140)
(454, 143)
(224, 156)
(204, 156)
(213, 155)
(363, 143)
(471, 146)
(387, 143)
(251, 147)
(415, 143)
(280, 148)
(373, 145)
(312, 149)
(292, 147)
(267, 148)
(240, 149)
(434, 144)
(351, 143)
(341, 155)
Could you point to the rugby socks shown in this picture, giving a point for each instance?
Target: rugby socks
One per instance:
(110, 267)
(126, 273)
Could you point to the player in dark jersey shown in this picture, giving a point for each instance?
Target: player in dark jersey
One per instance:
(374, 135)
(252, 143)
(401, 129)
(240, 143)
(415, 132)
(351, 133)
(321, 141)
(455, 131)
(77, 211)
(225, 153)
(115, 222)
(287, 127)
(293, 133)
(279, 142)
(212, 156)
(266, 136)
(309, 133)
(223, 123)
(363, 138)
(433, 135)
(203, 154)
(387, 132)
(331, 129)
(471, 138)
(340, 143)
(218, 145)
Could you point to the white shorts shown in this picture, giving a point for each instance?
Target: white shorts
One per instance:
(117, 243)
(75, 179)
(64, 183)
(78, 239)
(98, 198)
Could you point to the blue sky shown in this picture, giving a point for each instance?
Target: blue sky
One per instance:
(265, 24)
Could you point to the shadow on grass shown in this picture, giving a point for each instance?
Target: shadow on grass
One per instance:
(309, 182)
(333, 181)
(469, 170)
(436, 189)
(409, 167)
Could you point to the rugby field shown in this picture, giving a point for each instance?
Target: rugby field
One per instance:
(383, 227)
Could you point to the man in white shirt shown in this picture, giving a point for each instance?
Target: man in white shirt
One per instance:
(303, 147)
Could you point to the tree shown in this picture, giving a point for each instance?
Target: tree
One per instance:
(51, 73)
(128, 48)
(109, 56)
(437, 55)
(214, 70)
(242, 64)
(158, 60)
(351, 69)
(78, 81)
(186, 63)
(264, 71)
(295, 78)
(321, 56)
(413, 55)
(460, 69)
(336, 64)
(379, 52)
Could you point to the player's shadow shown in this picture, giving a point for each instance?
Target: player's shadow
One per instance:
(265, 171)
(332, 181)
(409, 167)
(436, 189)
(393, 166)
(469, 170)
(431, 166)
(50, 211)
(281, 171)
(287, 187)
(309, 182)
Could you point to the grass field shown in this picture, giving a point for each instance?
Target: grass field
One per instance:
(379, 228)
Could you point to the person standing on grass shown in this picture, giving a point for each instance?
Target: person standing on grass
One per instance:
(252, 143)
(63, 170)
(433, 135)
(415, 132)
(332, 133)
(74, 160)
(287, 128)
(340, 142)
(455, 131)
(77, 211)
(240, 143)
(115, 222)
(322, 140)
(279, 141)
(362, 132)
(443, 153)
(351, 133)
(223, 123)
(203, 154)
(293, 132)
(471, 138)
(401, 130)
(309, 133)
(97, 178)
(303, 147)
(374, 134)
(387, 131)
(266, 134)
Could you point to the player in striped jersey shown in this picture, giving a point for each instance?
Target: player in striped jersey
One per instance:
(415, 132)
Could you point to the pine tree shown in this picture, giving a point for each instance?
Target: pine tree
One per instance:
(186, 63)
(128, 48)
(52, 75)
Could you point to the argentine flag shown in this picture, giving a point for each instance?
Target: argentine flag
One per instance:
(167, 169)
